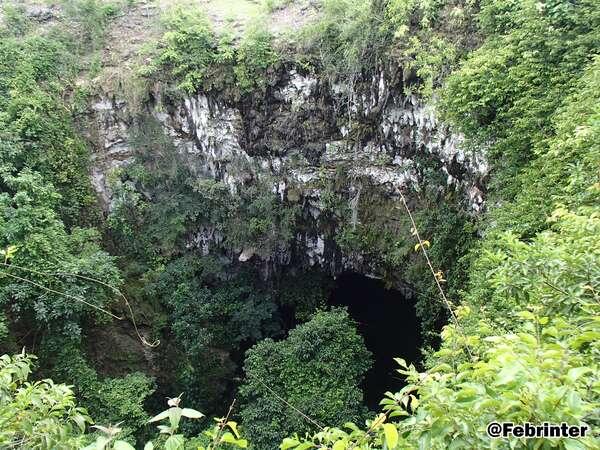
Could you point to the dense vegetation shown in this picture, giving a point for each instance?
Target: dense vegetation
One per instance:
(519, 79)
(320, 366)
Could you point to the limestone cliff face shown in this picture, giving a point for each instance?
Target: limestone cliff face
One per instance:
(298, 136)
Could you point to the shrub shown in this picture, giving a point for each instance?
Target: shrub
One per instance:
(190, 47)
(40, 414)
(254, 56)
(317, 369)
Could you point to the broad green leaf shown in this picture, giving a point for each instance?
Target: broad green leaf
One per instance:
(233, 425)
(391, 435)
(175, 442)
(80, 420)
(99, 444)
(289, 443)
(572, 444)
(351, 426)
(401, 362)
(161, 416)
(584, 338)
(527, 315)
(230, 439)
(508, 374)
(174, 417)
(191, 413)
(9, 252)
(305, 446)
(576, 372)
(339, 445)
(122, 445)
(164, 429)
(92, 446)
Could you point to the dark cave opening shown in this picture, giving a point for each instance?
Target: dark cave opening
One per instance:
(389, 325)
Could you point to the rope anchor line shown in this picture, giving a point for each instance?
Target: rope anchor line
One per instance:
(142, 339)
(436, 277)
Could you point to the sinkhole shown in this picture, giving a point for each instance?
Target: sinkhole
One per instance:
(389, 325)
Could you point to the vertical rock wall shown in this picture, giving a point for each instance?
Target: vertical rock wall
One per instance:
(298, 136)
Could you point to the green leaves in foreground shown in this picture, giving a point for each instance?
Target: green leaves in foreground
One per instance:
(38, 414)
(543, 368)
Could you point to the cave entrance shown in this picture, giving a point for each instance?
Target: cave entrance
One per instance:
(389, 325)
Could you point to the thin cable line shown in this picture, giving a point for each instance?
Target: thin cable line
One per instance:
(85, 302)
(437, 281)
(83, 277)
(281, 399)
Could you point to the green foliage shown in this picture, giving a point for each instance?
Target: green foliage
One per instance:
(429, 38)
(190, 46)
(108, 439)
(209, 311)
(39, 282)
(224, 434)
(530, 308)
(368, 239)
(89, 20)
(319, 368)
(159, 223)
(206, 379)
(38, 414)
(509, 274)
(544, 109)
(303, 292)
(563, 170)
(254, 56)
(37, 128)
(543, 370)
(529, 95)
(46, 286)
(346, 37)
(261, 220)
(224, 316)
(44, 415)
(197, 57)
(374, 229)
(14, 21)
(181, 204)
(109, 400)
(174, 414)
(425, 39)
(506, 93)
(120, 400)
(451, 232)
(382, 236)
(210, 317)
(160, 207)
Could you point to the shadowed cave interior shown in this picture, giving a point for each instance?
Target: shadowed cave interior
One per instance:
(389, 325)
